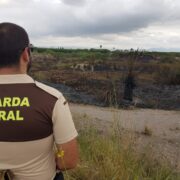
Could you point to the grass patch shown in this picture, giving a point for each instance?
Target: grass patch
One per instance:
(112, 156)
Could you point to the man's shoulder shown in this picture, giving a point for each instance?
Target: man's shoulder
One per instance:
(48, 89)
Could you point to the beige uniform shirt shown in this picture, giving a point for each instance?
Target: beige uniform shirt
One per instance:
(32, 117)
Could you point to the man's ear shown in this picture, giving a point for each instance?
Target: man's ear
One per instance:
(25, 56)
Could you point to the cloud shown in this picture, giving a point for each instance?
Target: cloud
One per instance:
(74, 2)
(95, 19)
(3, 2)
(110, 16)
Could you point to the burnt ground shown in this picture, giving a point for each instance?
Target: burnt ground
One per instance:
(81, 87)
(98, 82)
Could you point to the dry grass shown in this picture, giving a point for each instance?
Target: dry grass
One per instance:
(112, 155)
(147, 131)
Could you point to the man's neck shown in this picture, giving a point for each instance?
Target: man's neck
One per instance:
(10, 71)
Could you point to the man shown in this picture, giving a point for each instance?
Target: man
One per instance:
(33, 116)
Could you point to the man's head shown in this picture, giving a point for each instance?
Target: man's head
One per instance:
(14, 47)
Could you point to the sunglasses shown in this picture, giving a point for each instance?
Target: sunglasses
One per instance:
(30, 48)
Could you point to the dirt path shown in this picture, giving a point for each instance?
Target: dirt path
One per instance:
(164, 125)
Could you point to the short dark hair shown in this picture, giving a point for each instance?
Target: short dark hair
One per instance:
(13, 40)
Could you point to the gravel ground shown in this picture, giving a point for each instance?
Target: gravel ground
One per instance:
(159, 129)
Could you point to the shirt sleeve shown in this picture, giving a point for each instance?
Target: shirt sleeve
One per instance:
(63, 125)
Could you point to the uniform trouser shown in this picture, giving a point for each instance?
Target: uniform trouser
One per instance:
(59, 176)
(4, 175)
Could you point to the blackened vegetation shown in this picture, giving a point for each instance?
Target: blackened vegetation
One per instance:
(129, 82)
(129, 87)
(112, 78)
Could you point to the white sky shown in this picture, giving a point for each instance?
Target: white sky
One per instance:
(116, 24)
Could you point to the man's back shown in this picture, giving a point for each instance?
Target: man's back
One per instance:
(32, 117)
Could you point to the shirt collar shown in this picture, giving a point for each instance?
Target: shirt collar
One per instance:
(15, 79)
